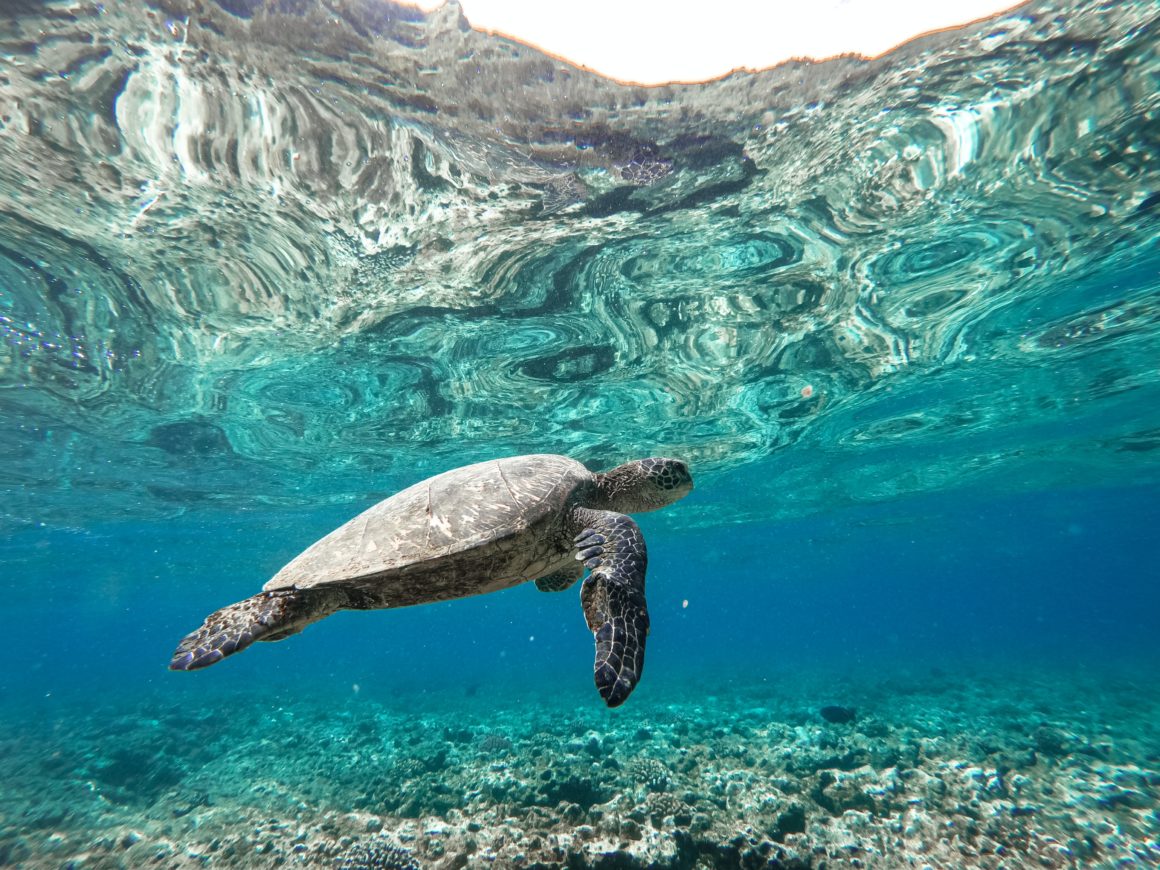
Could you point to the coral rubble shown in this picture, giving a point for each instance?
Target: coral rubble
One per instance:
(936, 773)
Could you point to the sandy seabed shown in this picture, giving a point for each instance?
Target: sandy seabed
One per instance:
(936, 770)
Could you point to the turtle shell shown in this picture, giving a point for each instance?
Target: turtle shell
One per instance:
(473, 508)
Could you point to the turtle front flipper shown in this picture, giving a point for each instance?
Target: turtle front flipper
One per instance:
(612, 546)
(265, 616)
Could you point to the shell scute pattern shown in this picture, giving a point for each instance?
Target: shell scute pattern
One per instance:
(480, 517)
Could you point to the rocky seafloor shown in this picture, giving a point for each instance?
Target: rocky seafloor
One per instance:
(936, 770)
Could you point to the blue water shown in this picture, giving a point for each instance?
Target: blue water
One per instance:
(1051, 579)
(263, 265)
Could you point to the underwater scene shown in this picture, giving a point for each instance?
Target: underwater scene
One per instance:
(893, 323)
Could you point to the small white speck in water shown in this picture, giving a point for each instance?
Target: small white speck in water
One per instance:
(685, 604)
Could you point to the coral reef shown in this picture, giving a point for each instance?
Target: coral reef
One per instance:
(935, 772)
(377, 855)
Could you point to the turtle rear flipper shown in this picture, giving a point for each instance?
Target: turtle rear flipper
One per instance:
(265, 616)
(613, 599)
(561, 580)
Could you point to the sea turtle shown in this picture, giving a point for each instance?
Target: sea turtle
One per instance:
(472, 530)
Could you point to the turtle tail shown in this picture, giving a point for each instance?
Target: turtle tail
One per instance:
(266, 616)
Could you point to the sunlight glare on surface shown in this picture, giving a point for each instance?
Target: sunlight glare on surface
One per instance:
(655, 41)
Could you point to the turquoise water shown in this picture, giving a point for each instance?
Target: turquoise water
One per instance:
(264, 264)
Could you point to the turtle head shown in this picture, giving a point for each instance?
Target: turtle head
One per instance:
(644, 485)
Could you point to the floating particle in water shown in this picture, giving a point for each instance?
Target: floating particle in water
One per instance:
(685, 604)
(807, 391)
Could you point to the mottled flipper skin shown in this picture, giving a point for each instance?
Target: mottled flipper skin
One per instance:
(613, 600)
(266, 616)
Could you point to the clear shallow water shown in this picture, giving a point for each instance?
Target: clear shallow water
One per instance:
(261, 267)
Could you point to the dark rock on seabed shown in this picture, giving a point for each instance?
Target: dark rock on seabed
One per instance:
(838, 715)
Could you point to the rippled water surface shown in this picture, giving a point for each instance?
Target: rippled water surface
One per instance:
(270, 257)
(263, 263)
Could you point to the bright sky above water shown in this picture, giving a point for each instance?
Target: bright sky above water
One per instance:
(654, 41)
